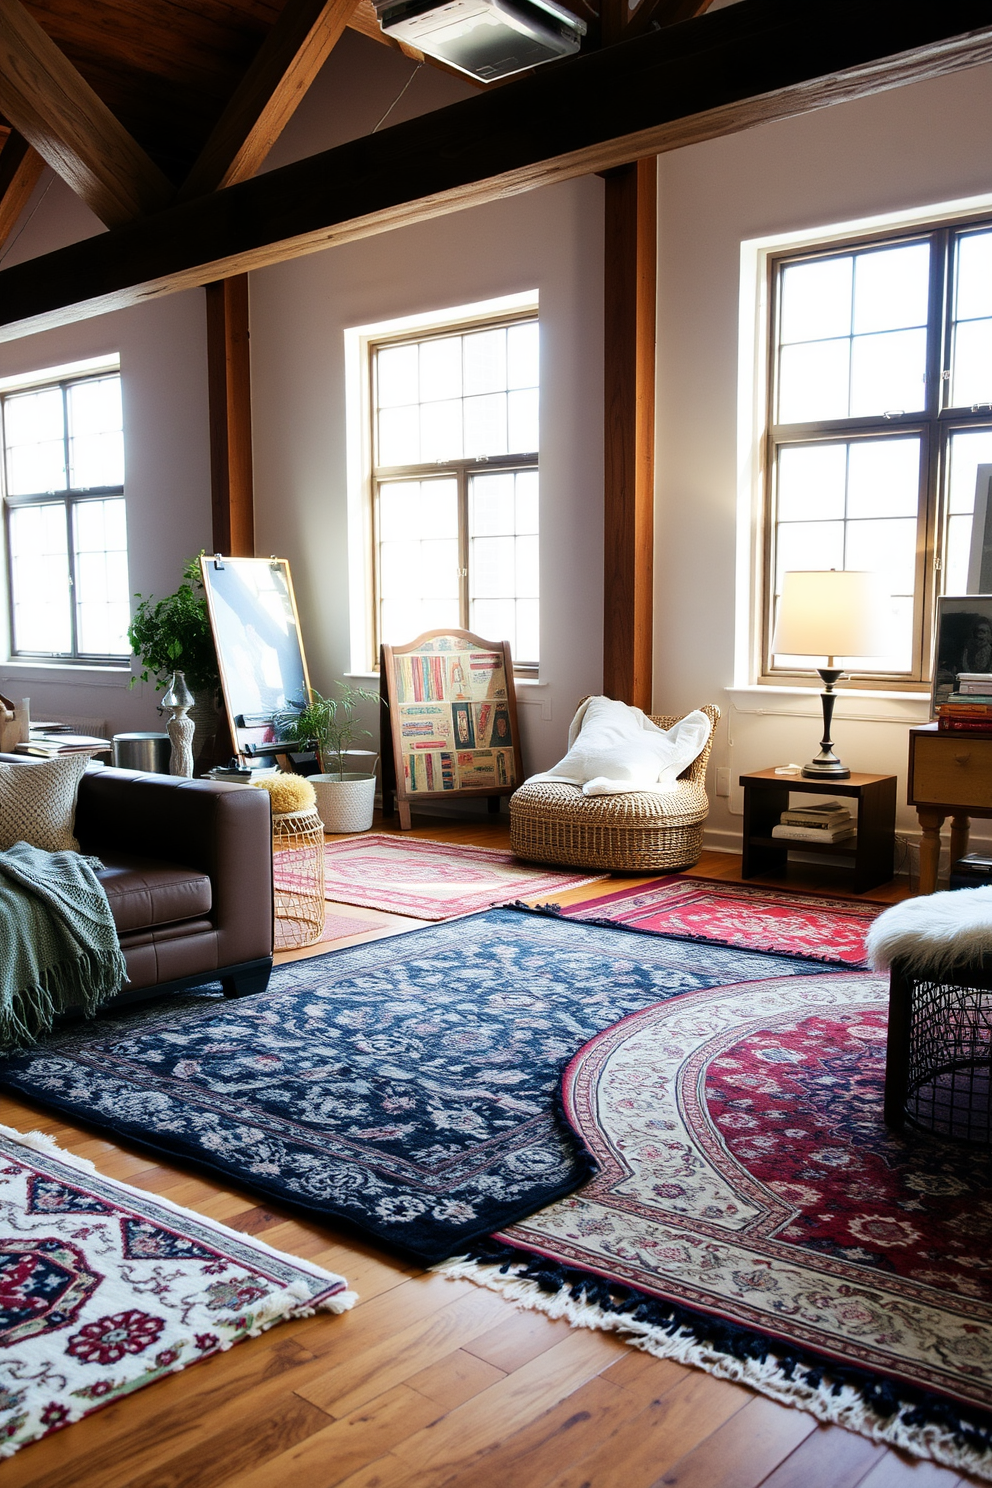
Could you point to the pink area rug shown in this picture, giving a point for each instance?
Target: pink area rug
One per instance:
(745, 916)
(339, 927)
(434, 880)
(105, 1288)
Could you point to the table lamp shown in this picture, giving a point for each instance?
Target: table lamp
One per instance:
(830, 613)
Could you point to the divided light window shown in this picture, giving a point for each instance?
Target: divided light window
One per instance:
(881, 412)
(65, 524)
(455, 485)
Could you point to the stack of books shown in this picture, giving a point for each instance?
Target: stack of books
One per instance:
(51, 744)
(827, 821)
(969, 709)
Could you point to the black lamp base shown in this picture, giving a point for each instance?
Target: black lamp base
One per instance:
(826, 765)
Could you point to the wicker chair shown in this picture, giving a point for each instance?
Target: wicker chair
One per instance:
(551, 822)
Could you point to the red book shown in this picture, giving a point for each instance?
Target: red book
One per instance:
(964, 726)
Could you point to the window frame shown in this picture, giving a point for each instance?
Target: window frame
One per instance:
(461, 469)
(934, 425)
(70, 499)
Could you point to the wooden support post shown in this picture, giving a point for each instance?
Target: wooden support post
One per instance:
(630, 306)
(229, 383)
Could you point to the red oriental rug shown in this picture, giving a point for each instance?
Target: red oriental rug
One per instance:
(434, 880)
(746, 916)
(752, 1215)
(105, 1288)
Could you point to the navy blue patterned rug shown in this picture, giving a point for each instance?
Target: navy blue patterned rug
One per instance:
(408, 1086)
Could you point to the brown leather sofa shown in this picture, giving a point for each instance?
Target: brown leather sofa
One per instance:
(187, 866)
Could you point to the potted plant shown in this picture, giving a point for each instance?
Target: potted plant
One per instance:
(345, 799)
(173, 634)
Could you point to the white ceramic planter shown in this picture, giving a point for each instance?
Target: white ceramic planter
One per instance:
(344, 803)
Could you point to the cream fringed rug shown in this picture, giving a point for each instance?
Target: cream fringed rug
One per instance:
(105, 1288)
(752, 1215)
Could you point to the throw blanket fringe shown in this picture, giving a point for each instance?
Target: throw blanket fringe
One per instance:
(59, 941)
(884, 1410)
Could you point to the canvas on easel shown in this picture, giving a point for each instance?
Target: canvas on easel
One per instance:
(449, 721)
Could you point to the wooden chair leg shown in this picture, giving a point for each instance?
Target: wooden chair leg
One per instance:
(897, 1048)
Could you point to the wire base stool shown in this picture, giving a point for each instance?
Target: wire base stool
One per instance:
(298, 879)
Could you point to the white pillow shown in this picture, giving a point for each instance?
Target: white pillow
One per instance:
(38, 802)
(614, 749)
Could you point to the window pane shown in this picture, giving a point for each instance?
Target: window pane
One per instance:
(491, 500)
(441, 430)
(102, 589)
(417, 558)
(441, 369)
(399, 436)
(411, 510)
(808, 545)
(971, 367)
(33, 418)
(811, 481)
(96, 460)
(528, 639)
(892, 288)
(397, 379)
(887, 372)
(957, 552)
(814, 381)
(527, 500)
(485, 425)
(886, 547)
(966, 452)
(522, 419)
(95, 406)
(504, 561)
(485, 361)
(816, 300)
(884, 478)
(36, 468)
(974, 277)
(39, 564)
(522, 355)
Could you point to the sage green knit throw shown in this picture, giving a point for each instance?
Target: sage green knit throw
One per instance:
(58, 945)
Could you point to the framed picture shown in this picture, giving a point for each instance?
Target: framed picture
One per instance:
(964, 642)
(449, 725)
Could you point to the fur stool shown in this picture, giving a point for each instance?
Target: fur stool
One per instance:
(938, 952)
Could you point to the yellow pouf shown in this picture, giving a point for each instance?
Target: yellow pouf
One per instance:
(288, 792)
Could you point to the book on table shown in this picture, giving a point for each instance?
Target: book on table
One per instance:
(790, 833)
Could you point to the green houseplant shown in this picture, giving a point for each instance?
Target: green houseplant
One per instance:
(174, 634)
(330, 725)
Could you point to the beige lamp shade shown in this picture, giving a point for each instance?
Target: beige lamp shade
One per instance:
(831, 613)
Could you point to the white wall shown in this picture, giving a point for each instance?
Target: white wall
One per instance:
(162, 348)
(913, 146)
(549, 240)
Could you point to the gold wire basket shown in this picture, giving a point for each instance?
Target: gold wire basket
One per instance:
(298, 878)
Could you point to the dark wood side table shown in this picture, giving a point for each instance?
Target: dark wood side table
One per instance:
(766, 796)
(949, 775)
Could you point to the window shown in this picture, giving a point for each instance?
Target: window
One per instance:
(881, 385)
(455, 484)
(65, 522)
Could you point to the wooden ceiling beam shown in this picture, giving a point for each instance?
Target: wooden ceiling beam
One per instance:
(269, 93)
(20, 172)
(57, 112)
(754, 62)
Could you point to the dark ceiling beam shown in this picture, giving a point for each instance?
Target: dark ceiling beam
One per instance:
(270, 92)
(20, 172)
(229, 383)
(57, 112)
(753, 62)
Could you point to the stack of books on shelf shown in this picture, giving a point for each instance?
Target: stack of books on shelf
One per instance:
(828, 821)
(53, 740)
(969, 709)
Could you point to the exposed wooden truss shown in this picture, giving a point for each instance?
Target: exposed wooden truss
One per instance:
(20, 172)
(57, 111)
(756, 61)
(267, 97)
(229, 383)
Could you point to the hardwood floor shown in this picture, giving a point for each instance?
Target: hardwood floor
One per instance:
(430, 1383)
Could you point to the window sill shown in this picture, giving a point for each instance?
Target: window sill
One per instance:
(907, 708)
(45, 671)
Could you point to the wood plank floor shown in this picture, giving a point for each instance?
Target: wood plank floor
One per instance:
(430, 1383)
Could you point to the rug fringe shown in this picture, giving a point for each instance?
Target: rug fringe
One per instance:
(811, 1390)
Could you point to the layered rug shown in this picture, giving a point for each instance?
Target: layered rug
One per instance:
(434, 880)
(753, 1215)
(744, 915)
(105, 1288)
(408, 1085)
(340, 927)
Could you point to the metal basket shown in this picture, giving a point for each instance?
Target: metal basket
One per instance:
(298, 878)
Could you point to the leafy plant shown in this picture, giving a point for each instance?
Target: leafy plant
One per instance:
(174, 633)
(328, 725)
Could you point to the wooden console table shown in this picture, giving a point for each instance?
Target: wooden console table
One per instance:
(949, 775)
(766, 796)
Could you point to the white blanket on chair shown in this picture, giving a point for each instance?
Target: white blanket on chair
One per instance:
(614, 748)
(933, 933)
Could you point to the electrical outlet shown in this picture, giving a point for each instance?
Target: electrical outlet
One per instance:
(723, 782)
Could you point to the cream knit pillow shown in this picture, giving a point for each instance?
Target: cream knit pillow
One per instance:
(38, 802)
